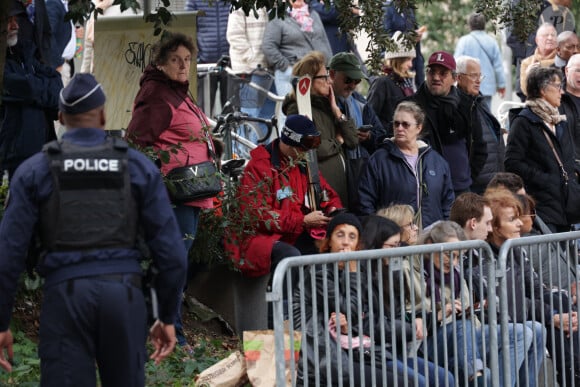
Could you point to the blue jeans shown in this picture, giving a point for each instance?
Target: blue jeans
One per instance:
(432, 376)
(468, 356)
(535, 353)
(187, 219)
(521, 344)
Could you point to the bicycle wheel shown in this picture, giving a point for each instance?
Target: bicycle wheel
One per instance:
(245, 139)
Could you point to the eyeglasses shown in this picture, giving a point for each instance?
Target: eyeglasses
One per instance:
(442, 72)
(474, 76)
(391, 245)
(404, 124)
(559, 86)
(325, 77)
(349, 80)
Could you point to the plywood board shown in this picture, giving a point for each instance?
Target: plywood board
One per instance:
(122, 50)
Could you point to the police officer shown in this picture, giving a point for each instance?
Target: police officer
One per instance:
(89, 196)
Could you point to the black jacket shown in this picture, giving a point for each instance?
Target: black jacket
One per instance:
(349, 301)
(385, 93)
(568, 107)
(489, 133)
(529, 155)
(446, 126)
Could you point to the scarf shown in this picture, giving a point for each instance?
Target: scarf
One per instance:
(545, 111)
(302, 16)
(442, 282)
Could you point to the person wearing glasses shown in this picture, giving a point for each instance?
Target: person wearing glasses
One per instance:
(553, 264)
(469, 83)
(339, 315)
(528, 299)
(346, 73)
(536, 133)
(383, 233)
(473, 213)
(274, 191)
(338, 132)
(480, 45)
(404, 216)
(405, 170)
(440, 295)
(448, 129)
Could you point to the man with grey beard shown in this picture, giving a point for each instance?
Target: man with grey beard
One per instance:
(29, 98)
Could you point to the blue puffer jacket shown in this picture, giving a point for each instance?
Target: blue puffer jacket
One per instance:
(389, 179)
(211, 29)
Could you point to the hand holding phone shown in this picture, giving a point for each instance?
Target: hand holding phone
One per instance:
(365, 128)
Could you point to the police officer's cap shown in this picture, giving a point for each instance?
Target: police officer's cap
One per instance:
(82, 94)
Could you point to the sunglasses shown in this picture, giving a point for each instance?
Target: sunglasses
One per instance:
(306, 142)
(310, 142)
(349, 81)
(404, 124)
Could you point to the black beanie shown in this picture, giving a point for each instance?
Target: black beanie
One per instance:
(343, 218)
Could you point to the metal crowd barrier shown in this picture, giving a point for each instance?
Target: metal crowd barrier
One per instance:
(383, 298)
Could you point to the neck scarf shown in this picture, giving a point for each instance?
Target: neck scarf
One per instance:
(440, 282)
(302, 16)
(545, 111)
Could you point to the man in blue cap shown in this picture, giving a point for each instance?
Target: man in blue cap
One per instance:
(89, 198)
(275, 191)
(29, 98)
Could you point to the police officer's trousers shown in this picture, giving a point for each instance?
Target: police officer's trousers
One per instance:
(93, 323)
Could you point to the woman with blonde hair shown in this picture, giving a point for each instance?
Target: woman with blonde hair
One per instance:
(398, 82)
(404, 216)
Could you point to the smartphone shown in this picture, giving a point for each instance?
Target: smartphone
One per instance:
(365, 128)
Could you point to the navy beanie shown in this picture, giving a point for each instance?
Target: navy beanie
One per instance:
(343, 218)
(82, 94)
(295, 127)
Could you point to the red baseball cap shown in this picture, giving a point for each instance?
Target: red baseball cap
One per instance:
(442, 58)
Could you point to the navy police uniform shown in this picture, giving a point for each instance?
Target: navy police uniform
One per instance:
(93, 307)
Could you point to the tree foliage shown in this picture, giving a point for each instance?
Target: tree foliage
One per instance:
(450, 23)
(517, 14)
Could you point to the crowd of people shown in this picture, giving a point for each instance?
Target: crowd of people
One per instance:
(421, 160)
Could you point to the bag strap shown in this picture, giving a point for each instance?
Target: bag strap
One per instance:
(418, 216)
(204, 130)
(483, 48)
(564, 173)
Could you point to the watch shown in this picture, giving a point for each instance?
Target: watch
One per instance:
(343, 118)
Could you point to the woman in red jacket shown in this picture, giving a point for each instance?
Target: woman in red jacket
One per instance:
(274, 193)
(166, 120)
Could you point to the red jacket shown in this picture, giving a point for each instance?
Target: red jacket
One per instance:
(165, 118)
(273, 194)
